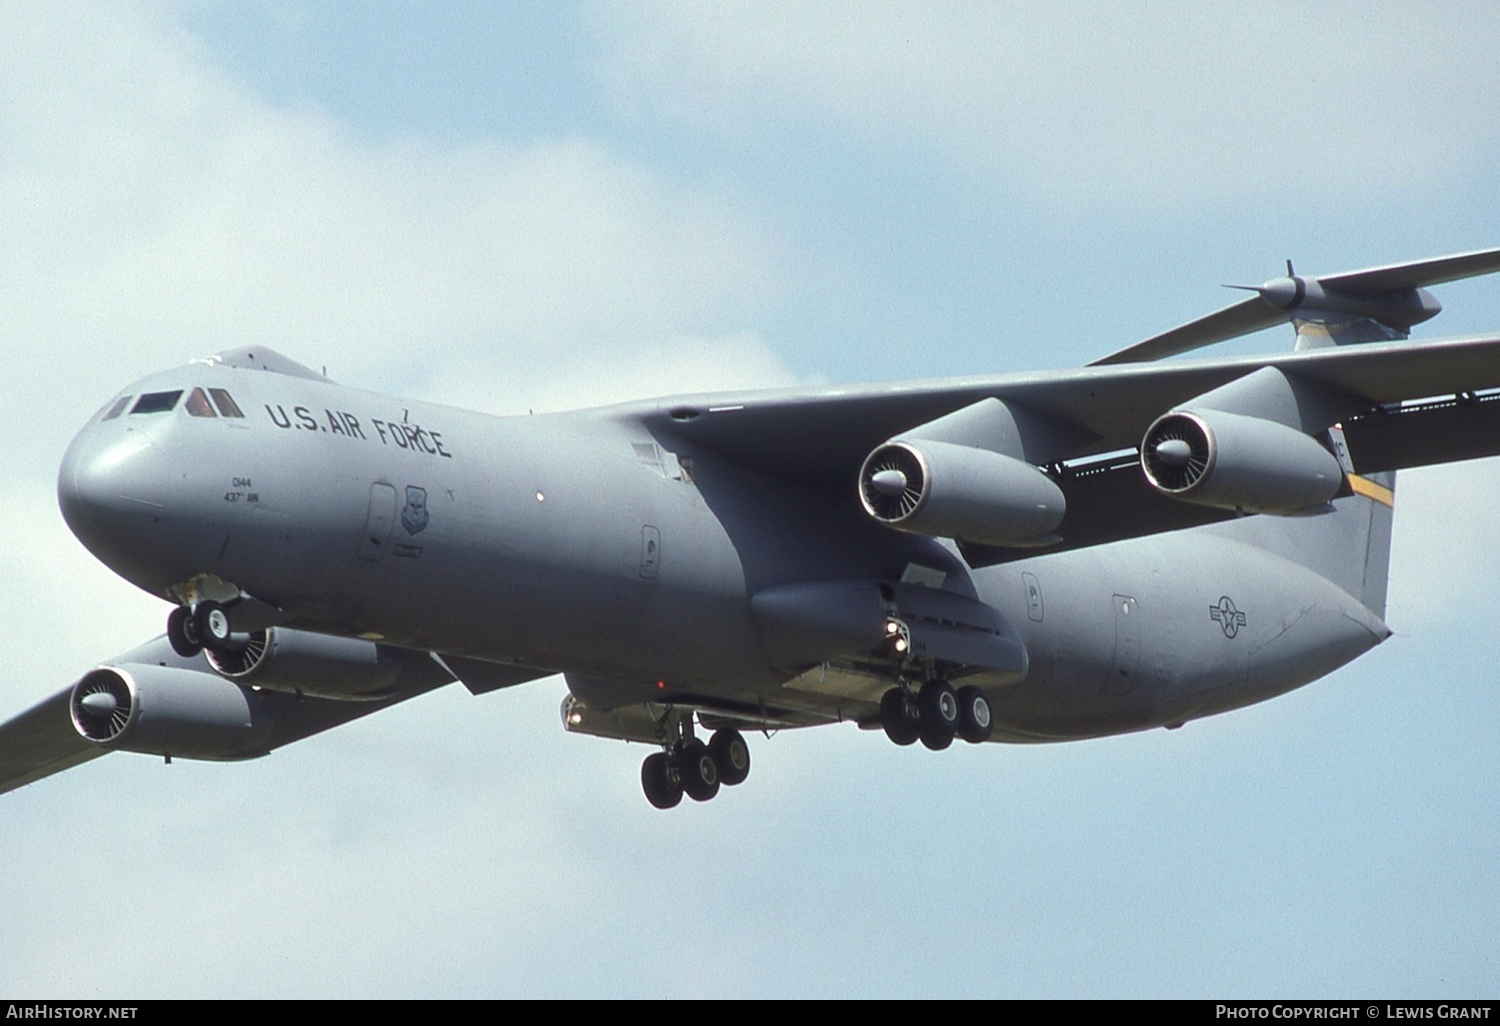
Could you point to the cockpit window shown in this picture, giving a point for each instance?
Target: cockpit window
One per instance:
(116, 408)
(198, 404)
(156, 402)
(227, 406)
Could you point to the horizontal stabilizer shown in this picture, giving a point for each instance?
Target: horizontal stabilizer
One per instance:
(1391, 296)
(1418, 273)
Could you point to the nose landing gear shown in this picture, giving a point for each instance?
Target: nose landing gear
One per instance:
(205, 625)
(182, 632)
(687, 766)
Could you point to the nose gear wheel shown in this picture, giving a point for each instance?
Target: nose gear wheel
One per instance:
(182, 633)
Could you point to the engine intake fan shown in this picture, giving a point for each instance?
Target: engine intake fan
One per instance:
(102, 706)
(893, 483)
(1178, 453)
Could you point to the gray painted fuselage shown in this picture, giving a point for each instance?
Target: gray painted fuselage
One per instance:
(581, 543)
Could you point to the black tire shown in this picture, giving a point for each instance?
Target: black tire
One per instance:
(697, 771)
(212, 625)
(935, 739)
(732, 755)
(938, 704)
(939, 708)
(976, 723)
(182, 634)
(893, 717)
(661, 785)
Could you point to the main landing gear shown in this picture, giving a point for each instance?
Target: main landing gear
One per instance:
(205, 625)
(935, 714)
(689, 767)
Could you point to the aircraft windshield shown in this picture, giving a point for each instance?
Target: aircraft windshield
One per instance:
(227, 405)
(198, 404)
(116, 408)
(156, 402)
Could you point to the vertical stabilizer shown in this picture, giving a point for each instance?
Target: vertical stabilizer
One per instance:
(1350, 546)
(1381, 505)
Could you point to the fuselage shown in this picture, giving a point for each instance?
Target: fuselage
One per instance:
(581, 543)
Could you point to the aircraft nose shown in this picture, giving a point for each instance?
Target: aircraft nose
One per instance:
(109, 486)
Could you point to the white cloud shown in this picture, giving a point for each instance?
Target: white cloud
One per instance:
(1085, 104)
(156, 210)
(658, 367)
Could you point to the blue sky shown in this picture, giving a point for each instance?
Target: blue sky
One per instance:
(512, 206)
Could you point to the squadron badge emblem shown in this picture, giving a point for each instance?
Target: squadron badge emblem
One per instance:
(414, 515)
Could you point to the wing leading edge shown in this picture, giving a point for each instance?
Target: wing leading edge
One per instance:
(819, 437)
(43, 740)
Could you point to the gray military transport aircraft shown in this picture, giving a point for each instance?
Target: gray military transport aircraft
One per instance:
(1027, 558)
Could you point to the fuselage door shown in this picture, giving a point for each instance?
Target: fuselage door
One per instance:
(377, 536)
(1127, 646)
(650, 551)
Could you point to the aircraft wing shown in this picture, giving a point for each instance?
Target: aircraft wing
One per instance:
(43, 740)
(820, 437)
(40, 742)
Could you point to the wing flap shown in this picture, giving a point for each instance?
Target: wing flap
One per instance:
(481, 676)
(1464, 427)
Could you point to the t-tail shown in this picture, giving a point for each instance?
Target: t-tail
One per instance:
(1346, 540)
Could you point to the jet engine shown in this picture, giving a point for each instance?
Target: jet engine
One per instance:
(958, 491)
(1231, 461)
(280, 659)
(165, 710)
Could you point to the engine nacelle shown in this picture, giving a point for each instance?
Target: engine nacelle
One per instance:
(305, 663)
(1231, 461)
(165, 710)
(957, 491)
